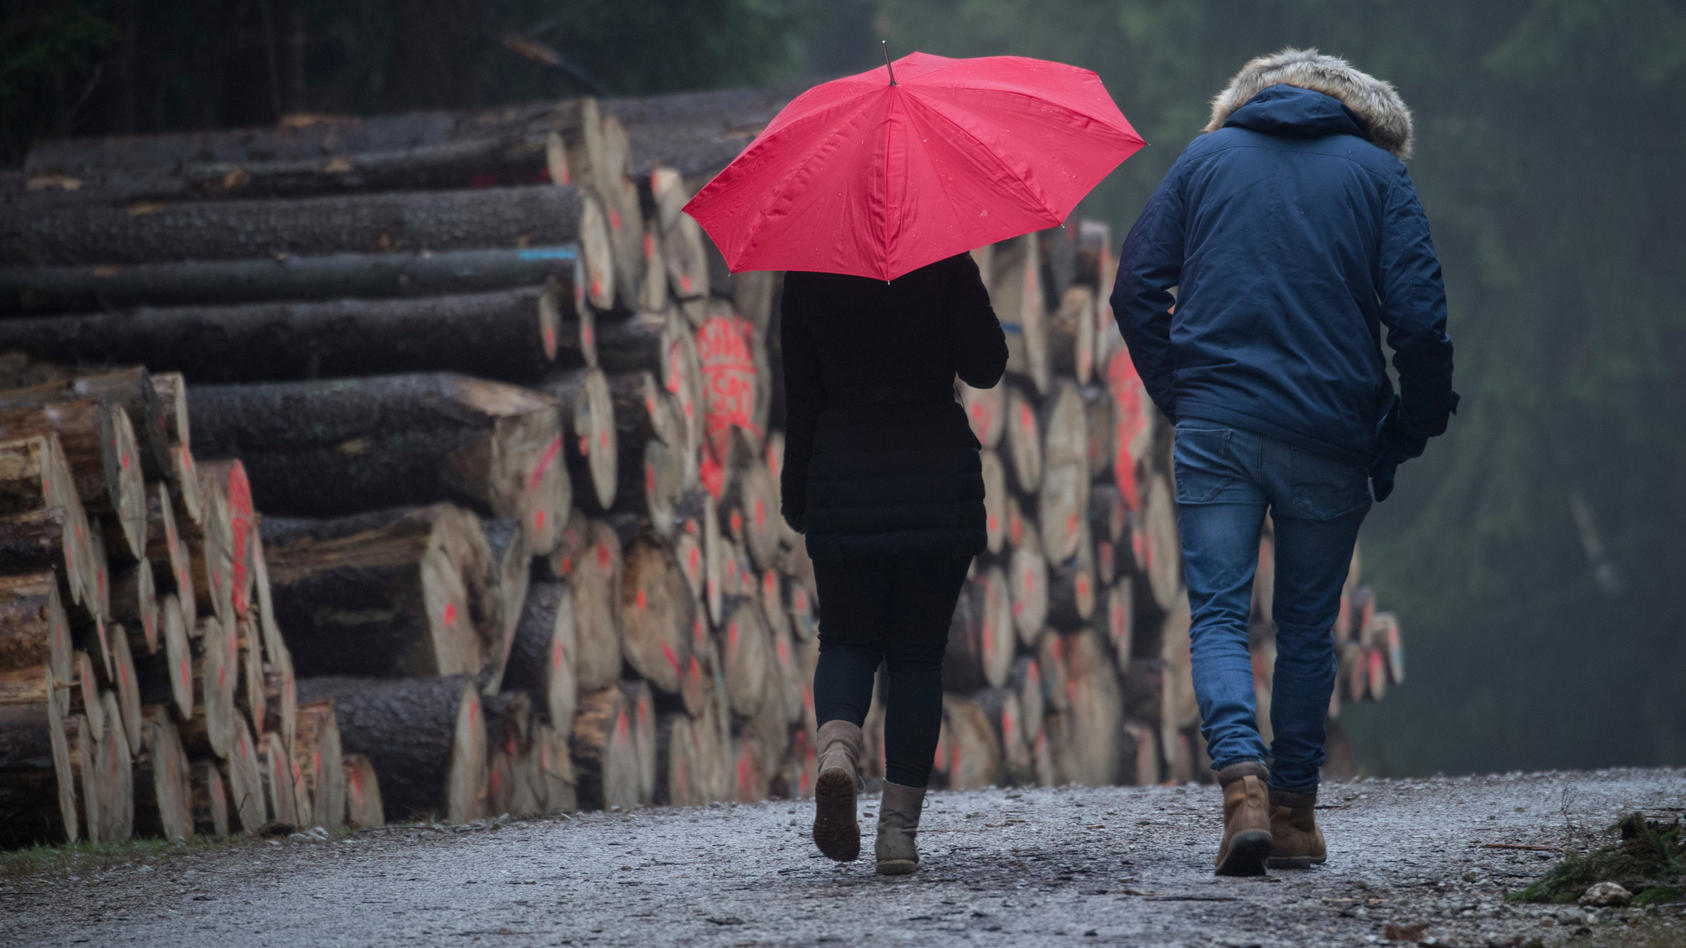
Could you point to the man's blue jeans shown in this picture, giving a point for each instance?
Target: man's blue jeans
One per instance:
(1226, 480)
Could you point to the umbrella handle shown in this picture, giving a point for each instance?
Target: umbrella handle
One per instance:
(887, 66)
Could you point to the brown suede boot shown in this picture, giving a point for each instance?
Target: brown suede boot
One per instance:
(898, 829)
(836, 831)
(1246, 843)
(1296, 842)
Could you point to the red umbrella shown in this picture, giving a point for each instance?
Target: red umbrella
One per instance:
(884, 172)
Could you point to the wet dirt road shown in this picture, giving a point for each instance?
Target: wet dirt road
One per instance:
(1062, 865)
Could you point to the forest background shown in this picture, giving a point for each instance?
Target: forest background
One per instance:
(1536, 554)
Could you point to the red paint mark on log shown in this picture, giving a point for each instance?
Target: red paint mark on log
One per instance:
(760, 514)
(694, 673)
(125, 460)
(588, 336)
(538, 519)
(222, 677)
(1006, 726)
(649, 480)
(356, 782)
(695, 557)
(549, 341)
(640, 602)
(732, 634)
(556, 655)
(603, 555)
(649, 246)
(450, 613)
(736, 521)
(603, 438)
(495, 782)
(79, 535)
(544, 463)
(1082, 585)
(473, 709)
(1026, 420)
(1015, 528)
(1071, 525)
(567, 565)
(614, 219)
(620, 724)
(784, 653)
(685, 283)
(991, 523)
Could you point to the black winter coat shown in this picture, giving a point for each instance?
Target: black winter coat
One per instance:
(879, 459)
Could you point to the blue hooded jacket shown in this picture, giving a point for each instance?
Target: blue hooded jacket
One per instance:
(1291, 240)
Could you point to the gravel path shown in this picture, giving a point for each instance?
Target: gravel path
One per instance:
(1070, 865)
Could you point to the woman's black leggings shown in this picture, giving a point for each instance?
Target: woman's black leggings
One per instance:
(893, 611)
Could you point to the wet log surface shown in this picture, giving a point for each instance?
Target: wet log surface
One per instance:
(232, 230)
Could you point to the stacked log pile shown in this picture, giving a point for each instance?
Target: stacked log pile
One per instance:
(492, 525)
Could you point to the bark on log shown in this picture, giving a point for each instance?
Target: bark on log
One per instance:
(307, 137)
(426, 738)
(403, 592)
(543, 653)
(604, 751)
(33, 795)
(440, 437)
(244, 229)
(268, 279)
(1098, 412)
(34, 477)
(511, 570)
(507, 334)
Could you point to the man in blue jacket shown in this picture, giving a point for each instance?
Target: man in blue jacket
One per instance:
(1292, 236)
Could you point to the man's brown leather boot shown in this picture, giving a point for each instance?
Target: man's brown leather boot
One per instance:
(1247, 841)
(836, 831)
(1296, 842)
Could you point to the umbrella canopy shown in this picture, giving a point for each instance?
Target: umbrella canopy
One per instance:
(883, 172)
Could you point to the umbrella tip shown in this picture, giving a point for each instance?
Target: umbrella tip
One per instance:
(887, 66)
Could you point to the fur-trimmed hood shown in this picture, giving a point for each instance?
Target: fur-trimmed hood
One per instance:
(1386, 120)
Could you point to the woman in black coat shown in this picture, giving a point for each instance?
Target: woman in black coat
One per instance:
(881, 473)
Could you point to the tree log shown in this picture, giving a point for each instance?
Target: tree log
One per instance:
(35, 479)
(97, 439)
(506, 334)
(114, 764)
(1015, 291)
(163, 794)
(594, 579)
(980, 636)
(440, 437)
(1121, 621)
(33, 796)
(604, 752)
(1084, 739)
(747, 656)
(213, 725)
(968, 751)
(244, 229)
(426, 738)
(1072, 585)
(209, 802)
(1023, 438)
(362, 794)
(1025, 681)
(166, 676)
(657, 609)
(1027, 585)
(243, 774)
(1071, 332)
(270, 279)
(402, 592)
(543, 653)
(1159, 580)
(1063, 494)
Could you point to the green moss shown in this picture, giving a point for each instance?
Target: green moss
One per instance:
(18, 864)
(1648, 857)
